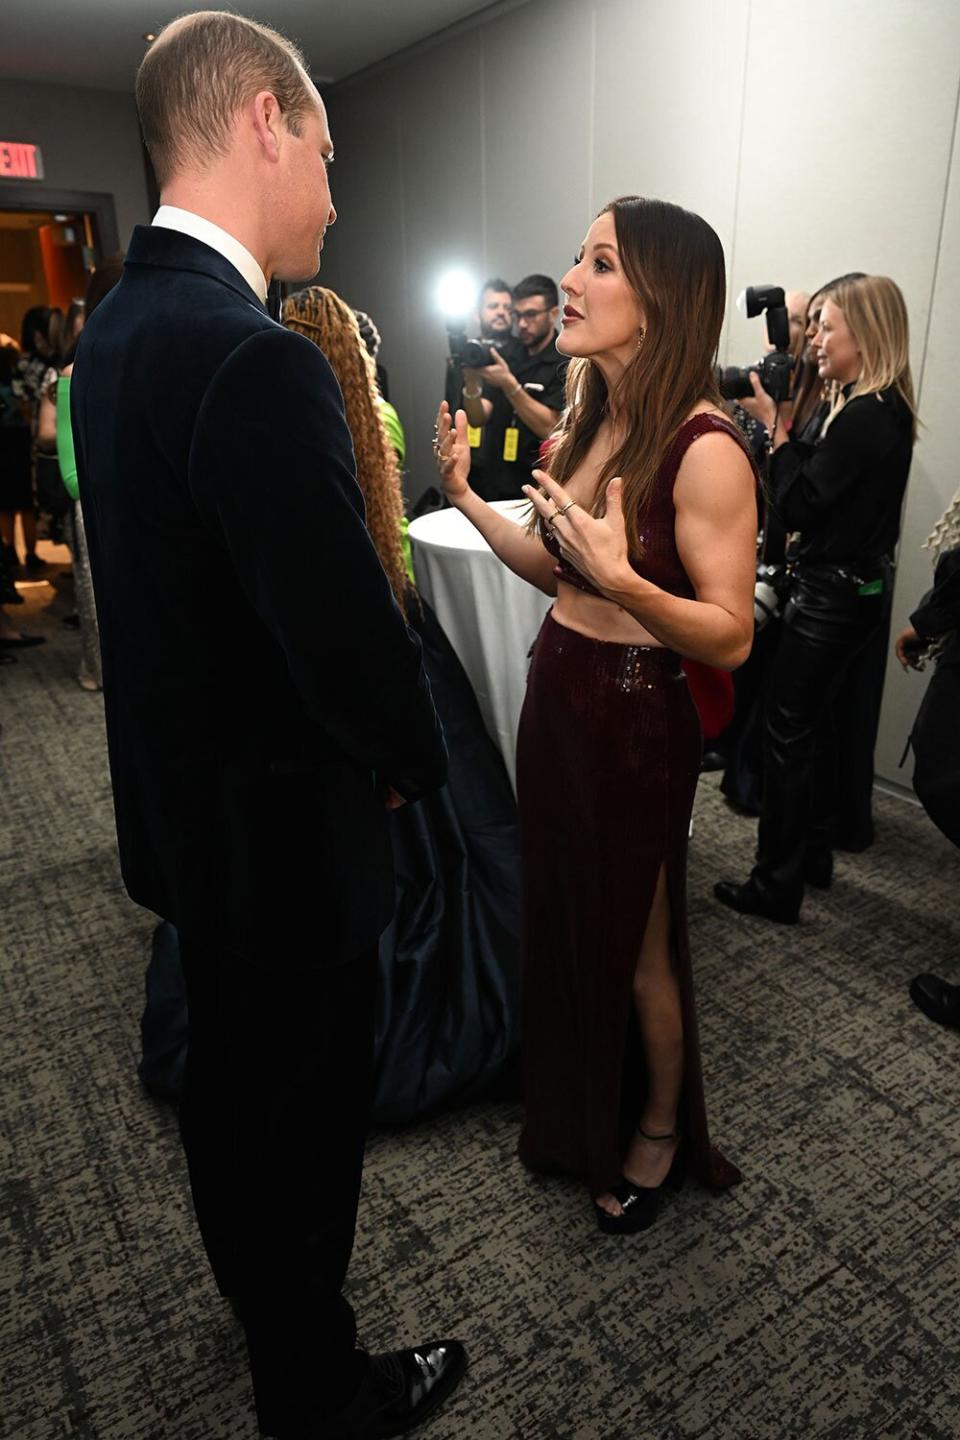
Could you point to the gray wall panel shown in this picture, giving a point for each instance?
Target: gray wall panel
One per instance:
(90, 141)
(538, 70)
(860, 185)
(367, 184)
(934, 477)
(815, 139)
(440, 105)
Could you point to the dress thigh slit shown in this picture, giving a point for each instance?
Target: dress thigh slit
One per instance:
(608, 758)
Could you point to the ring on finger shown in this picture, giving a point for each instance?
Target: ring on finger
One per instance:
(562, 509)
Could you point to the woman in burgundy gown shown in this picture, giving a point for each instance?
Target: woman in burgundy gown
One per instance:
(645, 531)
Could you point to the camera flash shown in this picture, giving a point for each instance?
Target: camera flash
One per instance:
(456, 293)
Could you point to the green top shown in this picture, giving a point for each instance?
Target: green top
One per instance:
(65, 452)
(394, 429)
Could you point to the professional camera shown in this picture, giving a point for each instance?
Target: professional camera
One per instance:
(469, 354)
(776, 368)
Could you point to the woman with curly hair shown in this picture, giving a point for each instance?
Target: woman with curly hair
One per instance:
(447, 1026)
(325, 319)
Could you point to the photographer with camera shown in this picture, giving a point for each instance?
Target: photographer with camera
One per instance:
(736, 749)
(466, 387)
(739, 751)
(844, 496)
(520, 397)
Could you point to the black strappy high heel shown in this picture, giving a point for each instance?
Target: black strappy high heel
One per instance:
(640, 1204)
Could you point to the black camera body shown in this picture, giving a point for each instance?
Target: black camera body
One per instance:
(775, 370)
(467, 353)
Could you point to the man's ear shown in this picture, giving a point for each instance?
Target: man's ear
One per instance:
(267, 119)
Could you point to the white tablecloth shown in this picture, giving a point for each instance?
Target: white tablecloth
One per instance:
(491, 616)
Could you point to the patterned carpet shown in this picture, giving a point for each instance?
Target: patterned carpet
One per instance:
(818, 1299)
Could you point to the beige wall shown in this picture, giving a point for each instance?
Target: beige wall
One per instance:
(816, 138)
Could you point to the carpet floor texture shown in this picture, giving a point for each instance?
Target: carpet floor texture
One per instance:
(819, 1298)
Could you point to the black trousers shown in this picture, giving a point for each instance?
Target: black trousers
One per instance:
(856, 720)
(821, 640)
(273, 1119)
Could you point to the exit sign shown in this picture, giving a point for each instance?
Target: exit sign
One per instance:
(19, 161)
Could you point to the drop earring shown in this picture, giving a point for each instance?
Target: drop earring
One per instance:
(641, 337)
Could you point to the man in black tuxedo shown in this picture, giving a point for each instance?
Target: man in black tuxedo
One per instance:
(261, 715)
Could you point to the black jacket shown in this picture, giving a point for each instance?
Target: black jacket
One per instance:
(260, 683)
(936, 730)
(845, 492)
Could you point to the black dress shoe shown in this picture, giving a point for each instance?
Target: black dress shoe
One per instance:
(399, 1391)
(938, 1000)
(748, 900)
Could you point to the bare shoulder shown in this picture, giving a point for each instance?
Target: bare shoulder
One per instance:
(715, 469)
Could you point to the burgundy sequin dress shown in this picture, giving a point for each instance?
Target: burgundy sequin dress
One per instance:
(608, 758)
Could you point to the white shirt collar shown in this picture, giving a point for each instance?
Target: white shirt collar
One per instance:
(171, 217)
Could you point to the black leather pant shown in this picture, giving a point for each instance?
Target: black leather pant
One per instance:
(826, 627)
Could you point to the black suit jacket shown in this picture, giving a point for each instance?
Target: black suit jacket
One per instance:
(260, 683)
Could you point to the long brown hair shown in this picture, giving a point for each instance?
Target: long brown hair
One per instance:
(674, 261)
(324, 318)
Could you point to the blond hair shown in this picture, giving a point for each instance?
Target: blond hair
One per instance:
(323, 317)
(199, 72)
(945, 535)
(876, 314)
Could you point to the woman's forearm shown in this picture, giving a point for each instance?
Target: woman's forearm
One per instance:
(518, 548)
(696, 629)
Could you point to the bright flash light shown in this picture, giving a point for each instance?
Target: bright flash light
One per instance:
(456, 293)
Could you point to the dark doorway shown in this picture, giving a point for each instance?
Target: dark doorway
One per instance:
(50, 240)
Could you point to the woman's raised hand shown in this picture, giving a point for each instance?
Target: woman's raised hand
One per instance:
(451, 450)
(598, 548)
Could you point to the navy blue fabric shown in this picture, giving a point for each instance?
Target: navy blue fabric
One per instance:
(448, 1016)
(259, 682)
(449, 1022)
(163, 1025)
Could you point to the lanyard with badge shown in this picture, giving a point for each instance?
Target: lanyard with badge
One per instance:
(511, 436)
